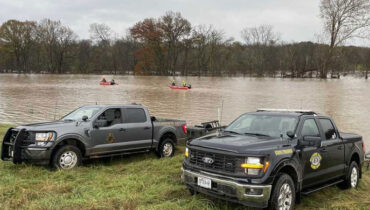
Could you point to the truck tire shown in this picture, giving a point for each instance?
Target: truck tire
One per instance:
(66, 157)
(283, 194)
(352, 177)
(166, 148)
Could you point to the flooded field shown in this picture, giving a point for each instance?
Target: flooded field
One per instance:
(36, 98)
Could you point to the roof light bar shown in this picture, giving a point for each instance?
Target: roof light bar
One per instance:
(286, 110)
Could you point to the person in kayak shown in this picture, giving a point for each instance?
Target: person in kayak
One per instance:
(112, 82)
(184, 83)
(173, 83)
(103, 80)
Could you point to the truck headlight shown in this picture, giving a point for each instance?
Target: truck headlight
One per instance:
(46, 136)
(254, 165)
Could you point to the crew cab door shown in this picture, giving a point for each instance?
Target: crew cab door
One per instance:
(325, 161)
(311, 156)
(108, 136)
(332, 149)
(138, 128)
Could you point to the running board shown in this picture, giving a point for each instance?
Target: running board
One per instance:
(311, 190)
(118, 154)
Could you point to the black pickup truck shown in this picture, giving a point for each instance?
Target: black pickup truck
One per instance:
(272, 157)
(92, 132)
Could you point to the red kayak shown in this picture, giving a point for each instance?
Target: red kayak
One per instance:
(107, 83)
(179, 87)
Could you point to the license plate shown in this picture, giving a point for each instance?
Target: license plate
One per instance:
(204, 182)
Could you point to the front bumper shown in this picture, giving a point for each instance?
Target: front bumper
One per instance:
(229, 190)
(14, 150)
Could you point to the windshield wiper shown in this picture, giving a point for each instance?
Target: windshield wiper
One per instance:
(257, 134)
(232, 132)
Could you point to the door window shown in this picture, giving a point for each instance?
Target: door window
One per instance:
(310, 128)
(328, 129)
(111, 117)
(135, 115)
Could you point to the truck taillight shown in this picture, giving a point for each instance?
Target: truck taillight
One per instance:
(184, 128)
(363, 147)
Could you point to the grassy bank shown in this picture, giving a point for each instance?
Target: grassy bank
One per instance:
(133, 182)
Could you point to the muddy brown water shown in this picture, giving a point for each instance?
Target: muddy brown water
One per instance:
(37, 98)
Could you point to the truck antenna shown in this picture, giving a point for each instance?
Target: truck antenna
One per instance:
(222, 108)
(55, 110)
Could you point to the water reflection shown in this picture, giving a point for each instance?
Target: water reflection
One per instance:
(33, 98)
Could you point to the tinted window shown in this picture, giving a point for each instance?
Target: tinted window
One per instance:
(328, 129)
(135, 115)
(310, 128)
(111, 116)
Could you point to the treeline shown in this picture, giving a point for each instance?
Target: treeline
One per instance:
(168, 45)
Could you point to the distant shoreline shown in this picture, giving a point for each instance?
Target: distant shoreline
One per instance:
(355, 74)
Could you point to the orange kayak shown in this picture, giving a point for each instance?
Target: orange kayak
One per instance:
(107, 83)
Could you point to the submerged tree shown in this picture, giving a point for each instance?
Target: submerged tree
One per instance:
(174, 29)
(261, 41)
(17, 38)
(343, 20)
(56, 41)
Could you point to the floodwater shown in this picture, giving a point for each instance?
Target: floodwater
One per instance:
(36, 98)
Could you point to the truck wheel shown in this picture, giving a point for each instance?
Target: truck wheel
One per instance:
(166, 149)
(67, 157)
(352, 177)
(283, 194)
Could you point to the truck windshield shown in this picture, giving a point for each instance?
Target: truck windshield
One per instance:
(263, 125)
(80, 112)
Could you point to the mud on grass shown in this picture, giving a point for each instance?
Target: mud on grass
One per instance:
(133, 182)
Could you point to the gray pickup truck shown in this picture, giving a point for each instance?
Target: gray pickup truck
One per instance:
(92, 132)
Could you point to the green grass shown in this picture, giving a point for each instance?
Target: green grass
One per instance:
(133, 182)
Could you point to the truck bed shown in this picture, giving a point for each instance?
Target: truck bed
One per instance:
(162, 125)
(164, 121)
(350, 136)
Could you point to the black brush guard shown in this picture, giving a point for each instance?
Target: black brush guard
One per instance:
(12, 147)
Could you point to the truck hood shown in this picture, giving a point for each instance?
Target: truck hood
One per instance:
(238, 143)
(48, 126)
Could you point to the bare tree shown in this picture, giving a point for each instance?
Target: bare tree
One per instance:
(261, 35)
(260, 40)
(100, 32)
(343, 20)
(56, 40)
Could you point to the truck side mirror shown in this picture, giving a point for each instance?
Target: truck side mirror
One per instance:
(312, 141)
(84, 118)
(290, 134)
(152, 118)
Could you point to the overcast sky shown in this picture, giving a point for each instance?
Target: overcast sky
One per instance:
(295, 20)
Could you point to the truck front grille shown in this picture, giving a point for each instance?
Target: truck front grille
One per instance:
(13, 135)
(25, 141)
(221, 162)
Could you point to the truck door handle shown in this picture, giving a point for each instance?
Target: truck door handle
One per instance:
(323, 150)
(146, 128)
(122, 129)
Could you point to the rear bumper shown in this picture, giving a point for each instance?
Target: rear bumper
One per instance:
(182, 140)
(229, 190)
